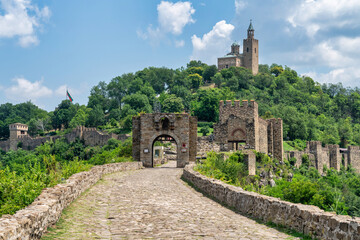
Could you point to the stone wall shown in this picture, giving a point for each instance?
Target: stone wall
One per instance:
(306, 219)
(354, 157)
(240, 123)
(205, 144)
(147, 128)
(32, 221)
(90, 136)
(330, 156)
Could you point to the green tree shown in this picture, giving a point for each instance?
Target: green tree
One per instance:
(138, 102)
(196, 80)
(218, 79)
(172, 104)
(96, 117)
(209, 72)
(63, 114)
(117, 89)
(276, 70)
(80, 118)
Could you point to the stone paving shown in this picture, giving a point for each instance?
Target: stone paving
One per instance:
(153, 203)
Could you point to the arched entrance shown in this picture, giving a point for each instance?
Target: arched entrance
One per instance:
(164, 149)
(149, 127)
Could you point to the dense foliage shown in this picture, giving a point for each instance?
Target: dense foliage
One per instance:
(329, 112)
(334, 191)
(23, 174)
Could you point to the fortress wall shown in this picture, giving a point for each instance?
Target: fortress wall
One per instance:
(329, 156)
(354, 157)
(32, 221)
(204, 145)
(192, 138)
(91, 137)
(334, 156)
(136, 138)
(277, 138)
(244, 109)
(5, 145)
(305, 219)
(263, 140)
(297, 155)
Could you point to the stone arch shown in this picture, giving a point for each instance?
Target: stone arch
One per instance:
(182, 128)
(165, 133)
(238, 130)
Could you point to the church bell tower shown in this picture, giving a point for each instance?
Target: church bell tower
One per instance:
(251, 51)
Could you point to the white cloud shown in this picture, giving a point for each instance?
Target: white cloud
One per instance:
(339, 55)
(180, 43)
(173, 17)
(21, 19)
(239, 5)
(347, 76)
(212, 44)
(325, 14)
(26, 90)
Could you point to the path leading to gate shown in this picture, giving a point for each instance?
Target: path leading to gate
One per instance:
(153, 203)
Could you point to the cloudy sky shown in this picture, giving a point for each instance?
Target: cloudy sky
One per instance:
(48, 46)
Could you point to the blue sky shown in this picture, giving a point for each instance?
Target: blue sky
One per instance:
(47, 46)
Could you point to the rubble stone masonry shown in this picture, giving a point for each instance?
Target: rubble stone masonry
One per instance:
(31, 222)
(240, 123)
(306, 219)
(147, 128)
(330, 156)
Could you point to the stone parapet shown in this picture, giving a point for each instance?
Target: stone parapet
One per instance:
(32, 221)
(306, 219)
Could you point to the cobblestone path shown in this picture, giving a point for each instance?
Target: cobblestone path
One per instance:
(153, 204)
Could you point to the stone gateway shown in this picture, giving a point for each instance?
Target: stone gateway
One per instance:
(150, 127)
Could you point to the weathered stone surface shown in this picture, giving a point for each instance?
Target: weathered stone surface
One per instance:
(240, 123)
(154, 203)
(147, 128)
(90, 136)
(302, 218)
(32, 221)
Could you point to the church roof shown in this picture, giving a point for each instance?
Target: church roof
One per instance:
(235, 44)
(251, 28)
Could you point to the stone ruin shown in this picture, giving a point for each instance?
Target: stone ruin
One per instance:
(331, 156)
(90, 136)
(240, 127)
(151, 127)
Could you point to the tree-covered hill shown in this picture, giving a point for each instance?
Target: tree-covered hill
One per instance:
(311, 111)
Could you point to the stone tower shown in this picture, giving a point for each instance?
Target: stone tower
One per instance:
(17, 130)
(248, 59)
(251, 51)
(235, 49)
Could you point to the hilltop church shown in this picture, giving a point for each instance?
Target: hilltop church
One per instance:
(248, 59)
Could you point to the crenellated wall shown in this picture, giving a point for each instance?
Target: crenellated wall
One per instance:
(90, 136)
(240, 123)
(31, 222)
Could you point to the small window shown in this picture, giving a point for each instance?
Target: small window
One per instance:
(255, 50)
(247, 49)
(226, 66)
(22, 132)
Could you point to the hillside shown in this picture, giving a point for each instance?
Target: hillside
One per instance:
(328, 112)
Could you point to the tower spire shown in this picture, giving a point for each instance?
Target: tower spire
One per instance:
(250, 30)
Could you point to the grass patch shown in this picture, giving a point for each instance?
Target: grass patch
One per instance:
(287, 147)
